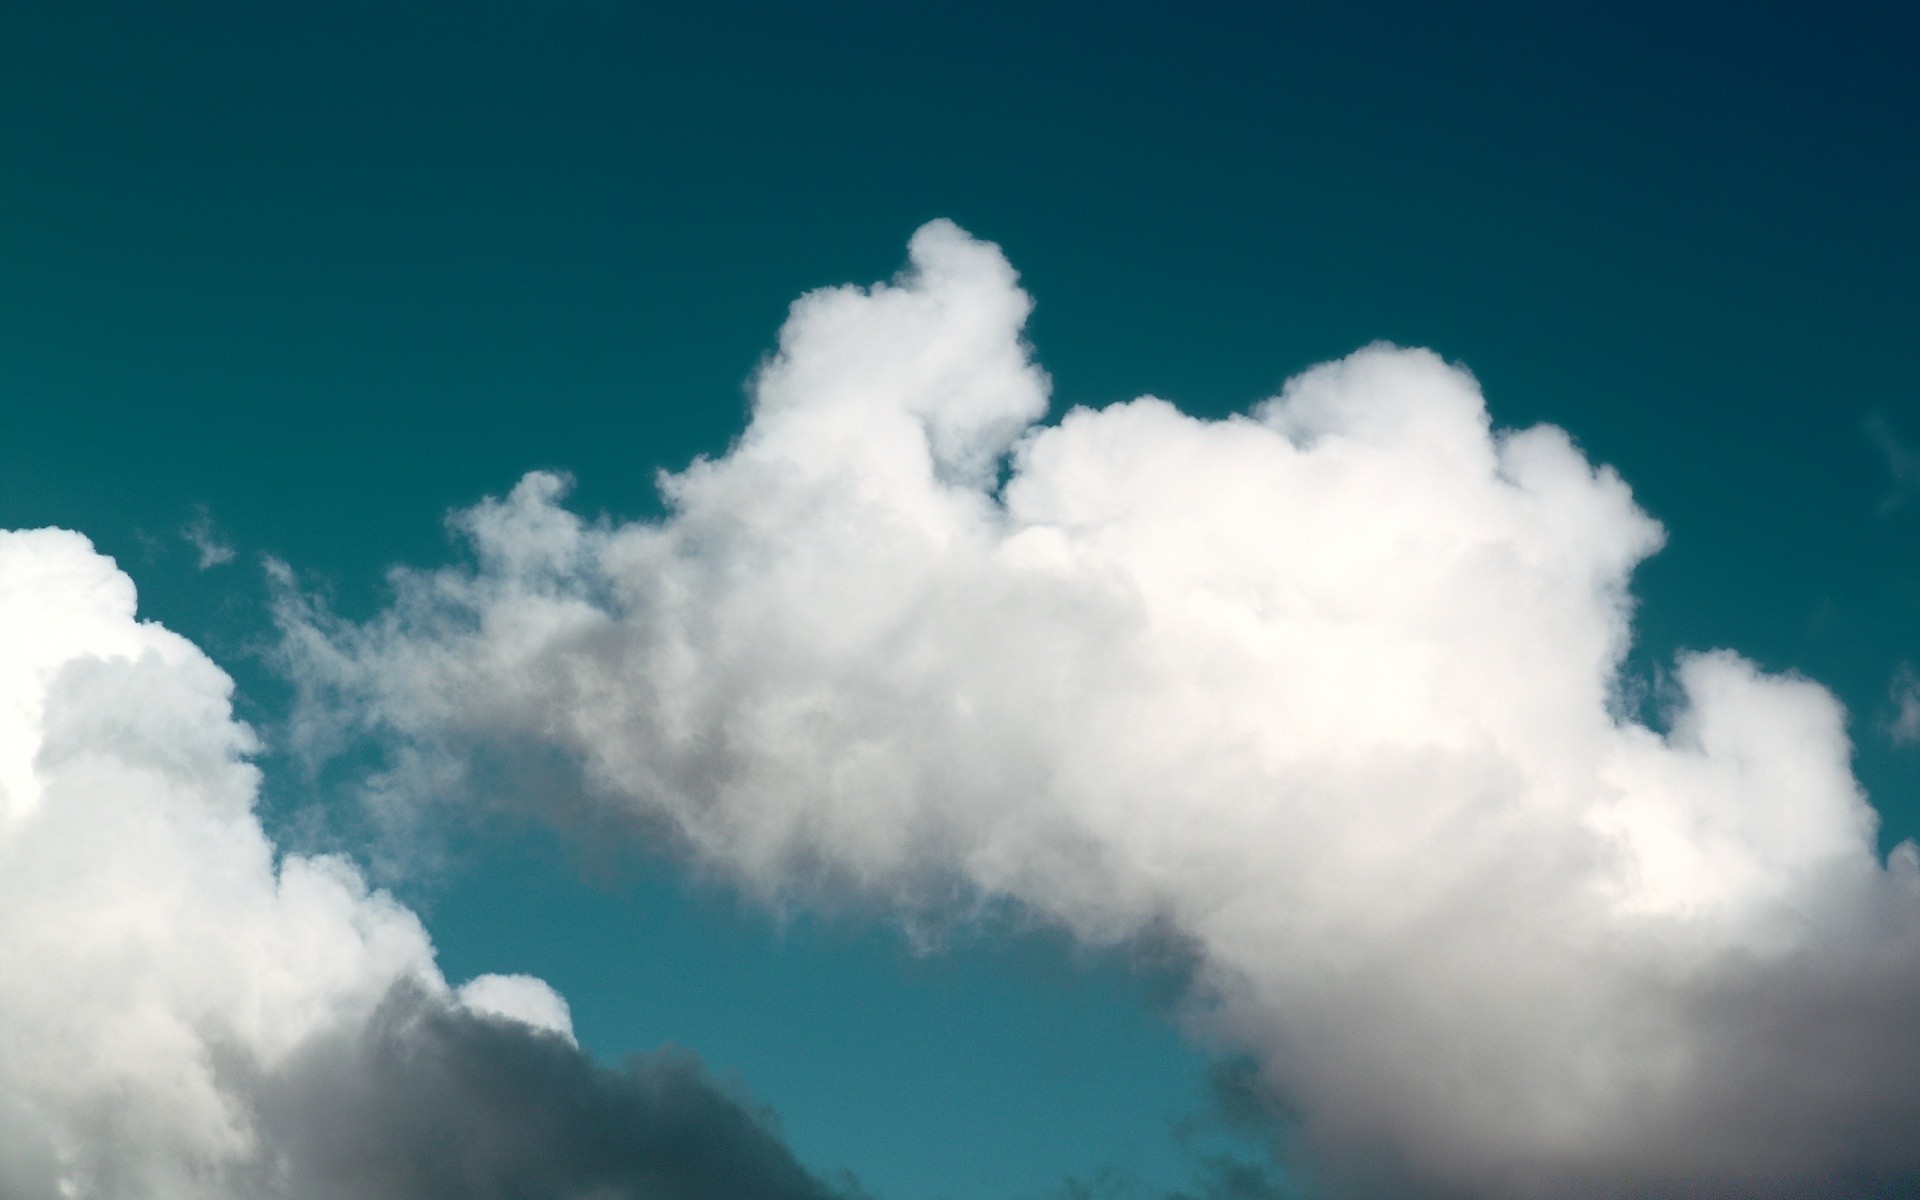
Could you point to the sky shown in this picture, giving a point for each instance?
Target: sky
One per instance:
(1190, 798)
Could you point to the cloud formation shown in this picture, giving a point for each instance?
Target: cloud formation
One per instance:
(185, 1013)
(1331, 691)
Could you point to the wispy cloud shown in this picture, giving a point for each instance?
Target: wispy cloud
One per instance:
(212, 549)
(1904, 726)
(1328, 691)
(1903, 463)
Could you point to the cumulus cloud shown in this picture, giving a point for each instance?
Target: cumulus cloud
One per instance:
(1330, 691)
(185, 1013)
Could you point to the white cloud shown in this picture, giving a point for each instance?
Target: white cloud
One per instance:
(185, 1013)
(521, 998)
(1331, 691)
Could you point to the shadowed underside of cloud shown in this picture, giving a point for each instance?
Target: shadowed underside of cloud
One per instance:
(186, 1014)
(1330, 690)
(433, 1101)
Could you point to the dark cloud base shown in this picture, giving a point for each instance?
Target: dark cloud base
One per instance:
(431, 1101)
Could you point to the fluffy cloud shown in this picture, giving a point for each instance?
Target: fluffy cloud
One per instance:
(1330, 691)
(186, 1014)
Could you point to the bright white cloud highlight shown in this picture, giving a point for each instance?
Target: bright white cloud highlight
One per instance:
(1330, 691)
(522, 998)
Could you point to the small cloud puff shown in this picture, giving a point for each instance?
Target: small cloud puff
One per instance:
(522, 998)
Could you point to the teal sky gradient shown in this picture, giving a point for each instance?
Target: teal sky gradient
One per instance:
(332, 269)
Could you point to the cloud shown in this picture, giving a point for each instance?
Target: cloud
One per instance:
(1903, 465)
(212, 549)
(431, 1101)
(1904, 727)
(185, 1012)
(519, 998)
(1330, 691)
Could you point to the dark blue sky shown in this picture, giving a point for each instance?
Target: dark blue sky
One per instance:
(331, 269)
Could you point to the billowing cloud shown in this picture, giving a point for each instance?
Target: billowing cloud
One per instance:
(1330, 691)
(185, 1013)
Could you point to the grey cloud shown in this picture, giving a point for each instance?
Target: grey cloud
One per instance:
(430, 1101)
(1223, 1177)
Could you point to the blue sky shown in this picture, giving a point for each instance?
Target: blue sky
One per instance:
(326, 273)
